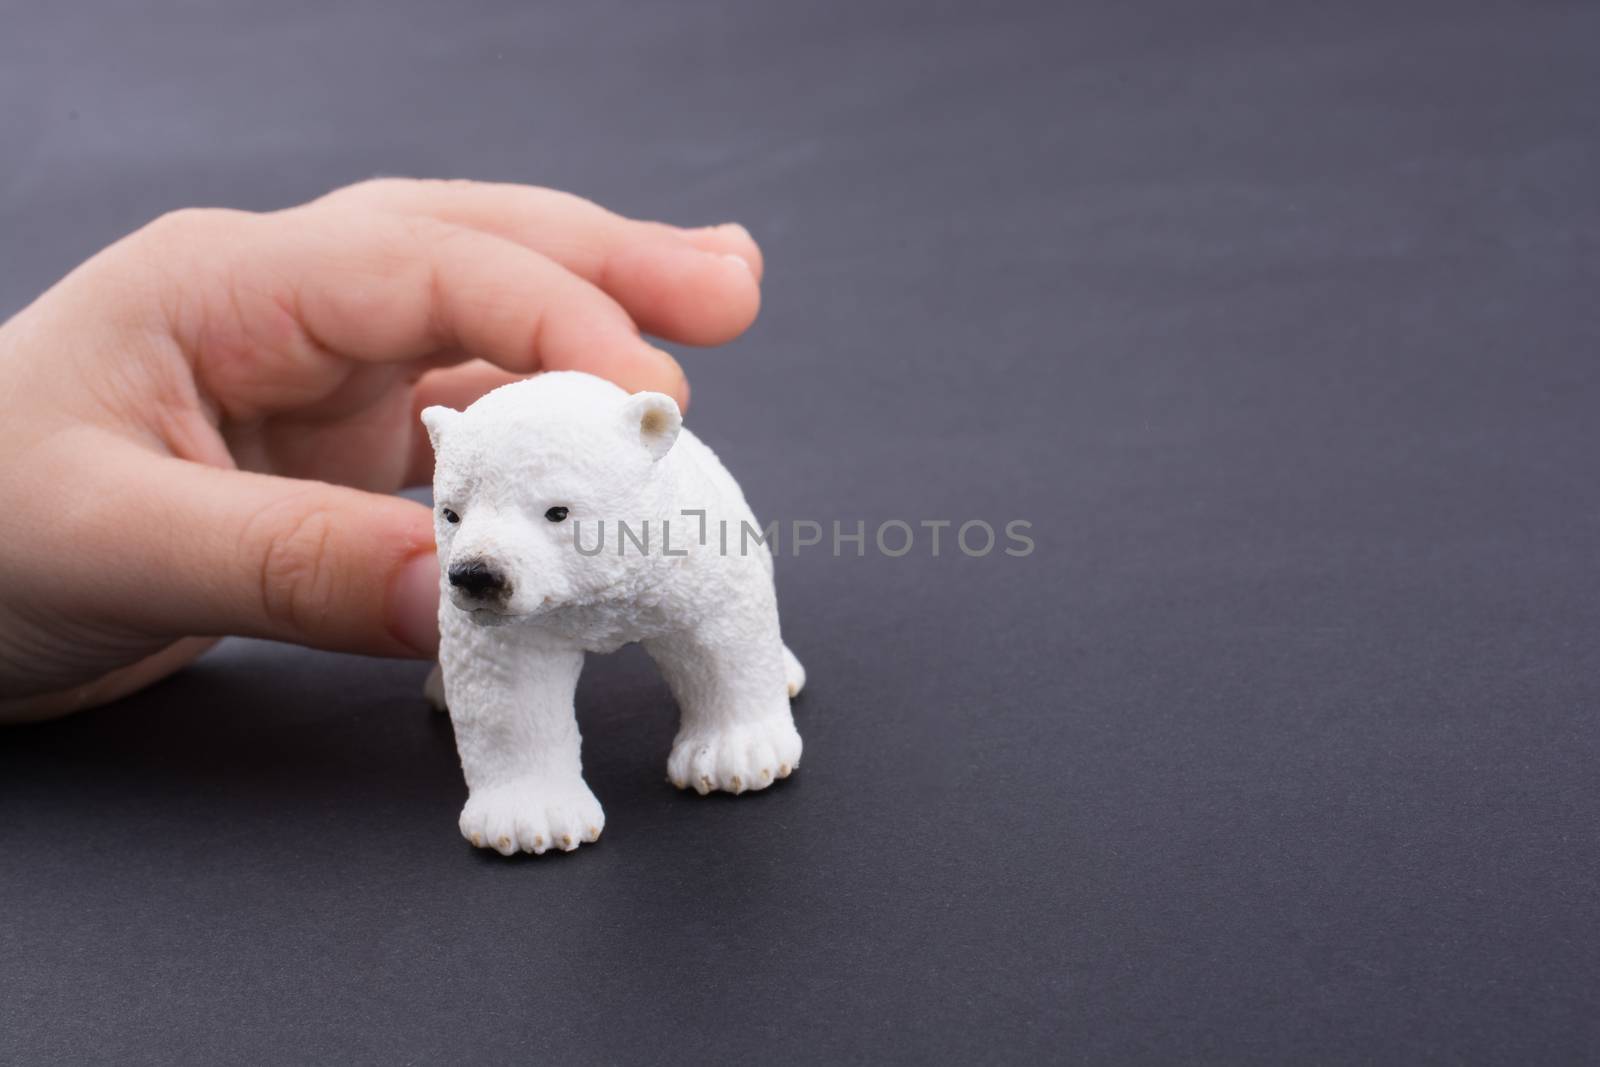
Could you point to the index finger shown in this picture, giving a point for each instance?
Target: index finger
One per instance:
(300, 295)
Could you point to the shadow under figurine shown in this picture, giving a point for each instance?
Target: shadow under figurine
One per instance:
(572, 517)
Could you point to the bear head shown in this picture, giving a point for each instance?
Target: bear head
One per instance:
(525, 477)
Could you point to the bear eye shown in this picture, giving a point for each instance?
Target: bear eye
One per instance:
(451, 517)
(556, 514)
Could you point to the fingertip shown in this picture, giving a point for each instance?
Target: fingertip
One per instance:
(686, 294)
(413, 608)
(744, 295)
(631, 362)
(654, 370)
(723, 302)
(731, 300)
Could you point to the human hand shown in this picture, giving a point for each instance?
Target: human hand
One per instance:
(200, 426)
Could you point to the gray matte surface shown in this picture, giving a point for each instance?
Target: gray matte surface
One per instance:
(1279, 325)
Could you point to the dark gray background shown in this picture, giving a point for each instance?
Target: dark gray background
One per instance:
(1278, 322)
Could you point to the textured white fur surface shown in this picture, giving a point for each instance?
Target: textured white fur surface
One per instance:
(509, 660)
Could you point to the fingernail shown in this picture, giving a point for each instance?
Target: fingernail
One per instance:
(745, 263)
(414, 603)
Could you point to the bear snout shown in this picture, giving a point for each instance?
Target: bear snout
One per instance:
(479, 579)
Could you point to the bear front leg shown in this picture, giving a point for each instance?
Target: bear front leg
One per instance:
(520, 749)
(731, 683)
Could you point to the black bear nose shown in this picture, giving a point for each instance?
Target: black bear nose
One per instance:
(476, 578)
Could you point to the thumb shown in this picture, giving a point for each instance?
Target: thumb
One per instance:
(233, 552)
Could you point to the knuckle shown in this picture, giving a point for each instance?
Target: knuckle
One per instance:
(390, 190)
(372, 188)
(190, 223)
(423, 232)
(298, 578)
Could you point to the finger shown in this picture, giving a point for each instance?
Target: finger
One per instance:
(186, 549)
(696, 286)
(294, 300)
(454, 387)
(459, 386)
(383, 288)
(108, 687)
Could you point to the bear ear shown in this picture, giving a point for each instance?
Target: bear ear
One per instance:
(436, 418)
(653, 420)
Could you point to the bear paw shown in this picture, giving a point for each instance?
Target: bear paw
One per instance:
(533, 816)
(433, 689)
(736, 758)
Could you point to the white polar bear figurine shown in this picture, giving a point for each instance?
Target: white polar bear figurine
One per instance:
(527, 482)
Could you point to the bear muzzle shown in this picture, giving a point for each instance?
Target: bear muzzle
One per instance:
(478, 582)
